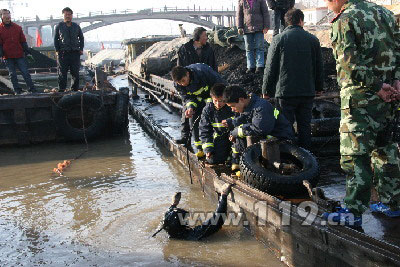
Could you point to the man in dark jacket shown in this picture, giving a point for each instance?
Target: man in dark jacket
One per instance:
(294, 73)
(197, 50)
(193, 83)
(213, 135)
(13, 48)
(176, 221)
(257, 118)
(280, 7)
(253, 21)
(69, 42)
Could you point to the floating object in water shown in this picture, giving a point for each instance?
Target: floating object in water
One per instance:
(61, 167)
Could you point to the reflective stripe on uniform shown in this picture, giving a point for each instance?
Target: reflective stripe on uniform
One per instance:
(205, 145)
(216, 135)
(198, 92)
(197, 143)
(199, 99)
(240, 131)
(218, 125)
(191, 104)
(234, 151)
(208, 100)
(276, 113)
(269, 137)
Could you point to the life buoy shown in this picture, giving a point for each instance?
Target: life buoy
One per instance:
(67, 103)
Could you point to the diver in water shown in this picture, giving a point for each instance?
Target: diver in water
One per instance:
(176, 226)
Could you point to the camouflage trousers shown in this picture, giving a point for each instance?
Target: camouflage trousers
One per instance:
(368, 156)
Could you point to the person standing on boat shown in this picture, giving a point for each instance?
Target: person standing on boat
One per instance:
(280, 7)
(176, 221)
(294, 73)
(197, 50)
(366, 45)
(213, 135)
(14, 49)
(69, 43)
(253, 21)
(257, 118)
(193, 83)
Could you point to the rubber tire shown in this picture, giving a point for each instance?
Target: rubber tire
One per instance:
(325, 127)
(74, 134)
(120, 120)
(277, 184)
(325, 109)
(325, 140)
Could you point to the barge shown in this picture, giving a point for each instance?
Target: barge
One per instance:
(292, 228)
(49, 117)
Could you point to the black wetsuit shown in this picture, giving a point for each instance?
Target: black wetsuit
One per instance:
(209, 227)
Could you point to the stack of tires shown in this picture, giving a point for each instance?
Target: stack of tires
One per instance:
(325, 128)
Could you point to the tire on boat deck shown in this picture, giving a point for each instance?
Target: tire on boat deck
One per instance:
(120, 120)
(274, 183)
(91, 102)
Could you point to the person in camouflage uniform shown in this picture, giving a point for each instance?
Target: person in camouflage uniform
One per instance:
(365, 41)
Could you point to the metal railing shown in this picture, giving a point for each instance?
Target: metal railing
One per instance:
(147, 11)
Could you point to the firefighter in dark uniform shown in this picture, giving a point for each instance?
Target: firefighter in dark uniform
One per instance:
(213, 135)
(257, 118)
(193, 83)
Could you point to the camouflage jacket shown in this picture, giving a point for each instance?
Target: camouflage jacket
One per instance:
(366, 46)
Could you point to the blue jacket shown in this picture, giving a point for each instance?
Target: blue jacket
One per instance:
(210, 127)
(261, 119)
(202, 78)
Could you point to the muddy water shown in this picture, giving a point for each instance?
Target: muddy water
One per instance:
(105, 208)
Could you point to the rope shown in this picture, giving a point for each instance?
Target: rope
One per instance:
(61, 166)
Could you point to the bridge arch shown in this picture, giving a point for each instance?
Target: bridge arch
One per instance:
(200, 22)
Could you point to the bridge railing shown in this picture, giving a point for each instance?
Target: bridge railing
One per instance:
(147, 11)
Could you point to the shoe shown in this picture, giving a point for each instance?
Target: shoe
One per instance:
(343, 216)
(181, 141)
(259, 70)
(235, 167)
(200, 154)
(382, 208)
(252, 70)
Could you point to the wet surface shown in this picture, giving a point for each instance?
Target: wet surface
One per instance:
(333, 183)
(104, 209)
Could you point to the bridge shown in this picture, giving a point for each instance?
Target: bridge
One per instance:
(95, 20)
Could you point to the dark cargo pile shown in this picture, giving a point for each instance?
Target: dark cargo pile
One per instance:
(233, 63)
(39, 61)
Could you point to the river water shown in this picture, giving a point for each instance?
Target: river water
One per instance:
(104, 209)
